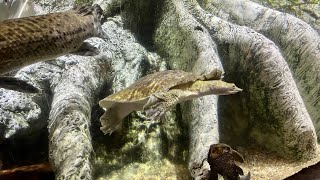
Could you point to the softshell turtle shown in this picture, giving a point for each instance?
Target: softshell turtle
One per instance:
(157, 93)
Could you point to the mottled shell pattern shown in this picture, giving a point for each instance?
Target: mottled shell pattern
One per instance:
(145, 86)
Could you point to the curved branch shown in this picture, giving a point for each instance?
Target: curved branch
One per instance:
(188, 46)
(267, 79)
(76, 92)
(299, 42)
(70, 147)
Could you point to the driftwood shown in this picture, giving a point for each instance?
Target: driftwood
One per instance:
(298, 41)
(120, 64)
(174, 34)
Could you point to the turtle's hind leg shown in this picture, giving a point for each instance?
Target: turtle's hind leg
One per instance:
(111, 120)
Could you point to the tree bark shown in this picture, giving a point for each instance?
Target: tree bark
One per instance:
(263, 73)
(120, 64)
(298, 41)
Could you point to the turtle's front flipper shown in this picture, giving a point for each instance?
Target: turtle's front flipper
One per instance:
(16, 84)
(161, 102)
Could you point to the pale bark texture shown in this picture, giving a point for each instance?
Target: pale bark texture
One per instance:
(274, 57)
(10, 9)
(300, 43)
(76, 93)
(191, 49)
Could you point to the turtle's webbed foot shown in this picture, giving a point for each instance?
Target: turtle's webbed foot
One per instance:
(232, 172)
(107, 130)
(213, 175)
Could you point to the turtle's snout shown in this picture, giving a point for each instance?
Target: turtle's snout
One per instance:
(236, 89)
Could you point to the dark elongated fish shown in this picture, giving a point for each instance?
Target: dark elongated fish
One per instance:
(28, 40)
(17, 85)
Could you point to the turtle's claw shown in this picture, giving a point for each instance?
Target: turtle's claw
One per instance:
(106, 130)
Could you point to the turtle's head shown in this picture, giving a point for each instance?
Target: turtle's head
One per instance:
(217, 87)
(224, 88)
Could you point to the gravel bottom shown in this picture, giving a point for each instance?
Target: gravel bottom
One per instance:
(266, 165)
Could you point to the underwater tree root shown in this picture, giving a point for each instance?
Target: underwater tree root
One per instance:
(270, 112)
(298, 41)
(246, 52)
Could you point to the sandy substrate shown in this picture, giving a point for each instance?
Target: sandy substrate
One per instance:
(266, 165)
(261, 164)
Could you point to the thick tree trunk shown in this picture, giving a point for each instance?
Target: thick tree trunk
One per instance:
(298, 41)
(70, 143)
(268, 79)
(256, 64)
(191, 49)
